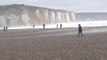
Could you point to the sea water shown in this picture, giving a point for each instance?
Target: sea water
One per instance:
(66, 25)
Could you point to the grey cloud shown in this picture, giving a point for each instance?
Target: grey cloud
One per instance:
(75, 5)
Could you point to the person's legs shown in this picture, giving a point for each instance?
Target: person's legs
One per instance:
(81, 34)
(4, 29)
(78, 34)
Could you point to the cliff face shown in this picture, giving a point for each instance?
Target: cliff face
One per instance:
(21, 15)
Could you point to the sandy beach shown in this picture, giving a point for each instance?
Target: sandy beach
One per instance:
(53, 44)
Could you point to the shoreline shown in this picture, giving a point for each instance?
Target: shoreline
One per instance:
(40, 33)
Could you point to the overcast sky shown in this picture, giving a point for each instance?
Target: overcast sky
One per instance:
(71, 5)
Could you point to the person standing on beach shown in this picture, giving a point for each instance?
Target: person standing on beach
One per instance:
(4, 29)
(80, 30)
(60, 25)
(56, 25)
(43, 26)
(33, 26)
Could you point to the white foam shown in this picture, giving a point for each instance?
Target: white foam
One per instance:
(86, 24)
(65, 25)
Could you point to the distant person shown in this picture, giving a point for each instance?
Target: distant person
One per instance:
(43, 26)
(60, 25)
(80, 30)
(57, 26)
(33, 26)
(4, 29)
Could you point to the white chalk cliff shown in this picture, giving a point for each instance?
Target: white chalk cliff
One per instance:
(22, 15)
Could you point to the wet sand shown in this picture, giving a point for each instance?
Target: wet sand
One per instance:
(52, 44)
